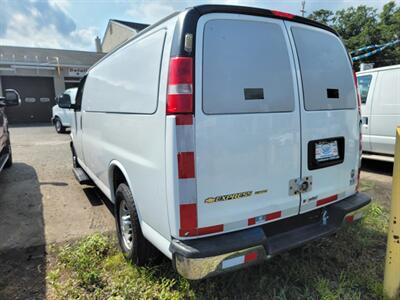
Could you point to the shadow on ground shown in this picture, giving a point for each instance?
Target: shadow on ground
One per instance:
(97, 198)
(22, 239)
(377, 166)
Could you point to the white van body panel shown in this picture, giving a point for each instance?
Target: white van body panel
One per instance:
(257, 145)
(131, 133)
(382, 109)
(321, 118)
(249, 151)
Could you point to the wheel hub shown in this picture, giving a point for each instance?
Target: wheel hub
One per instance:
(125, 225)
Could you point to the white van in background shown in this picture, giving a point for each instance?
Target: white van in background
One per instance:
(62, 117)
(380, 110)
(224, 135)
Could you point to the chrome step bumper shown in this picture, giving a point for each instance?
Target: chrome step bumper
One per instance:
(200, 258)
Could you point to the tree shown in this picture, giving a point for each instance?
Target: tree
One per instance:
(390, 30)
(362, 26)
(323, 16)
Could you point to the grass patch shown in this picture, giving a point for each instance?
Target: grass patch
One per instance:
(348, 265)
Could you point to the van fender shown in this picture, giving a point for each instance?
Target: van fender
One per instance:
(113, 164)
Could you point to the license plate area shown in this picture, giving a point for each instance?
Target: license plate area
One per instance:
(325, 152)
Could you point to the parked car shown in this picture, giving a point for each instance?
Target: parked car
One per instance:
(380, 110)
(11, 98)
(62, 117)
(223, 135)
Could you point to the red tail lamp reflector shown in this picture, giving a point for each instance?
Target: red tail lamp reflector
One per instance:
(188, 216)
(250, 257)
(282, 14)
(184, 120)
(273, 216)
(188, 222)
(186, 165)
(210, 229)
(180, 85)
(327, 200)
(251, 221)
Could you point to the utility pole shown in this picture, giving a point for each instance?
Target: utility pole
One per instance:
(302, 10)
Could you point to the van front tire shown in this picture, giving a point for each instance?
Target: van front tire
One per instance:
(135, 247)
(59, 126)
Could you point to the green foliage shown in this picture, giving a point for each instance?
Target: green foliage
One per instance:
(348, 265)
(85, 260)
(362, 26)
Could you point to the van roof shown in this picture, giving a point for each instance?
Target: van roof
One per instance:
(205, 9)
(196, 12)
(379, 69)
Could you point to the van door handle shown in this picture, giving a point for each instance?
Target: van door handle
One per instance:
(364, 120)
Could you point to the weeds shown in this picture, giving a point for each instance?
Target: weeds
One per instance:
(348, 265)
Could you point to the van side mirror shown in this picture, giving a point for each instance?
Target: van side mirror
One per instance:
(64, 101)
(11, 98)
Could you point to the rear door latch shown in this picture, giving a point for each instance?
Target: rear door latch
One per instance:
(300, 185)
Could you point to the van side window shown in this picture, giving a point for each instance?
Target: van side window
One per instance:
(79, 93)
(326, 72)
(363, 86)
(246, 68)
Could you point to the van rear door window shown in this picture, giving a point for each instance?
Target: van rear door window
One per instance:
(246, 68)
(363, 86)
(326, 71)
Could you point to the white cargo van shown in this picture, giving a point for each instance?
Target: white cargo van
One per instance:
(380, 110)
(224, 135)
(62, 117)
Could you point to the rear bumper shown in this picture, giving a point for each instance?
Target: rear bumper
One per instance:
(200, 258)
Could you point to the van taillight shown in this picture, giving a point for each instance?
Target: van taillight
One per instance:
(180, 86)
(282, 14)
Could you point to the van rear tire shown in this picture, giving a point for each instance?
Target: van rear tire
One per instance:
(135, 247)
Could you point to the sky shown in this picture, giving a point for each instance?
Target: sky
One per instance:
(74, 24)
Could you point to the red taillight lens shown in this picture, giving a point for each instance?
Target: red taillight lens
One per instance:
(282, 14)
(180, 85)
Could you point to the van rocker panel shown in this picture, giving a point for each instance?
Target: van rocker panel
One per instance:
(267, 240)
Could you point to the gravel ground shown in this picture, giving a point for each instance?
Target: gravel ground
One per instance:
(41, 204)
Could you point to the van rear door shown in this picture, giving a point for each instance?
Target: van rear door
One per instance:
(247, 121)
(329, 115)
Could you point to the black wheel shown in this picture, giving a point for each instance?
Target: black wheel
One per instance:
(133, 244)
(58, 125)
(9, 161)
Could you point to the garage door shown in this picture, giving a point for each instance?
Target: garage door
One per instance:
(37, 95)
